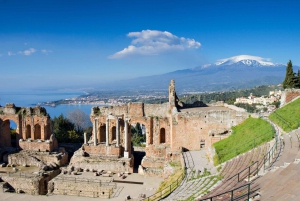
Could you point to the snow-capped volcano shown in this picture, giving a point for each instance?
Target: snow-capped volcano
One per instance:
(247, 60)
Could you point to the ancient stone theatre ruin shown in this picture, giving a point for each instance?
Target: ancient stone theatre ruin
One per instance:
(170, 128)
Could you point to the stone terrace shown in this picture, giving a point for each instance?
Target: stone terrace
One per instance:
(236, 165)
(282, 181)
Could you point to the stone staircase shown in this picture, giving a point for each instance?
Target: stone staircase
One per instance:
(282, 180)
(193, 185)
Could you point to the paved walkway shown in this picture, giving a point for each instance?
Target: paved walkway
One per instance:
(283, 180)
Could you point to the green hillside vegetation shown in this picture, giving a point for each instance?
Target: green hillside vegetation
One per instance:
(288, 116)
(245, 136)
(229, 96)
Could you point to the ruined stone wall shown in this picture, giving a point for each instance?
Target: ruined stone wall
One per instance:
(233, 107)
(161, 126)
(36, 145)
(157, 110)
(119, 109)
(289, 95)
(81, 188)
(25, 159)
(60, 159)
(99, 163)
(28, 185)
(38, 159)
(104, 150)
(5, 136)
(156, 151)
(191, 128)
(31, 123)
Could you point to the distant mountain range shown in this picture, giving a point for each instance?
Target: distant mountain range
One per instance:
(237, 72)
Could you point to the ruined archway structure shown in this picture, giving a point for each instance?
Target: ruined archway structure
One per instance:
(170, 127)
(39, 149)
(33, 128)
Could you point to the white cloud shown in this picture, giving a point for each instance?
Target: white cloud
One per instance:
(46, 51)
(10, 53)
(153, 42)
(28, 52)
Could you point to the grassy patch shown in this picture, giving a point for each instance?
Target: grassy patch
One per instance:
(172, 179)
(168, 185)
(288, 116)
(251, 133)
(205, 174)
(175, 164)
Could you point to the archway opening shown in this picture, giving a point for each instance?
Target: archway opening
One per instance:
(8, 133)
(162, 136)
(113, 133)
(47, 132)
(37, 131)
(138, 134)
(28, 131)
(102, 134)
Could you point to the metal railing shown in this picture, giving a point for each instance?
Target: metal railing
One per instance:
(166, 191)
(265, 160)
(173, 186)
(234, 194)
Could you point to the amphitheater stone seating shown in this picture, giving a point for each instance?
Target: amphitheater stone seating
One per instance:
(282, 180)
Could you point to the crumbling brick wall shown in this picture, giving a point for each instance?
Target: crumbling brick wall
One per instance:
(289, 95)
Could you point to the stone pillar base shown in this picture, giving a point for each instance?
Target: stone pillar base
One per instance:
(126, 154)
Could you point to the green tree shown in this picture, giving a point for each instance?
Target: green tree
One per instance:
(297, 80)
(61, 127)
(289, 80)
(137, 137)
(74, 137)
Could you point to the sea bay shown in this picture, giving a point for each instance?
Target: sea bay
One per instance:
(31, 99)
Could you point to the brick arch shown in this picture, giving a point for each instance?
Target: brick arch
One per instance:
(101, 134)
(5, 136)
(162, 135)
(113, 133)
(148, 125)
(28, 131)
(37, 131)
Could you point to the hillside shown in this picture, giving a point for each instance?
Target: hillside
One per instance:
(234, 73)
(288, 116)
(245, 136)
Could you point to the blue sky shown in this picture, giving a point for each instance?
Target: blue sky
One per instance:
(49, 44)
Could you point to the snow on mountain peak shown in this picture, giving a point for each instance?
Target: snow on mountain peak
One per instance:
(247, 60)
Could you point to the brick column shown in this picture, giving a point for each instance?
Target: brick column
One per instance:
(126, 154)
(118, 132)
(107, 132)
(95, 131)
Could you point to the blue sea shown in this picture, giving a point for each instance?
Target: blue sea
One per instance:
(31, 99)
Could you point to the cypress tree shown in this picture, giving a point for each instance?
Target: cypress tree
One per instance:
(289, 80)
(297, 80)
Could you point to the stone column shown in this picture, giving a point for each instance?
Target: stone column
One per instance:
(118, 132)
(95, 131)
(107, 132)
(126, 155)
(84, 136)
